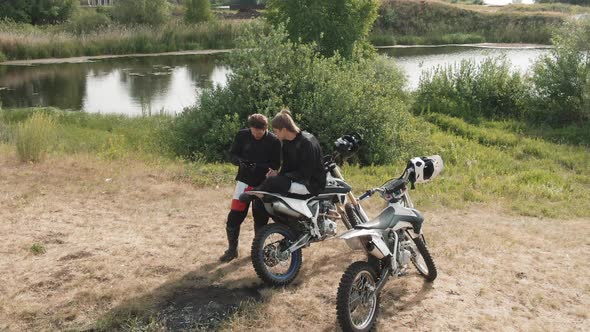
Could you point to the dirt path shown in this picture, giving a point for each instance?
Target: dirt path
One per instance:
(124, 240)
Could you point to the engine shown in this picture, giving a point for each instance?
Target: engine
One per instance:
(327, 215)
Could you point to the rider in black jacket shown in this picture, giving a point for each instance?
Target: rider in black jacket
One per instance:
(303, 171)
(255, 151)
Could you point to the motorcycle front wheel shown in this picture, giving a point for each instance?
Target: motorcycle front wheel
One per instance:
(422, 259)
(272, 263)
(352, 215)
(357, 302)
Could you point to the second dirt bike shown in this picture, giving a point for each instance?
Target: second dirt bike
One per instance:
(276, 248)
(392, 240)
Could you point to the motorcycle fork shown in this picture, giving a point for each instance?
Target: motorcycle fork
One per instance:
(336, 173)
(391, 265)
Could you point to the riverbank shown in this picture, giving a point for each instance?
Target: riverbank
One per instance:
(22, 42)
(405, 22)
(97, 244)
(474, 45)
(82, 59)
(412, 22)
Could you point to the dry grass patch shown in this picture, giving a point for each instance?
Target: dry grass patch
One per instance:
(140, 252)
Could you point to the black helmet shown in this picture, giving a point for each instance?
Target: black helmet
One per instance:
(348, 144)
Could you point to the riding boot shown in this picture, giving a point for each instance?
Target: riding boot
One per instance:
(232, 238)
(257, 227)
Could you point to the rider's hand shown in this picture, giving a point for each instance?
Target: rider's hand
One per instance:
(247, 165)
(271, 172)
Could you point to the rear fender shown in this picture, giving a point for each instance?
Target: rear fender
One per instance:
(298, 205)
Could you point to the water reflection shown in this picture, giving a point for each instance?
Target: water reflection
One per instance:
(413, 61)
(132, 86)
(43, 85)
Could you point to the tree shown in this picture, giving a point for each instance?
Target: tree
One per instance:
(17, 10)
(154, 12)
(334, 25)
(53, 11)
(38, 11)
(198, 11)
(327, 96)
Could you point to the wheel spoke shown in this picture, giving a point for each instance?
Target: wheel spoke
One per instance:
(272, 255)
(362, 300)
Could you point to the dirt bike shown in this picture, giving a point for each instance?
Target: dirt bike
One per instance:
(276, 248)
(392, 240)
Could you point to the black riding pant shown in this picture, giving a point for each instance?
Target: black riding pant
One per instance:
(236, 218)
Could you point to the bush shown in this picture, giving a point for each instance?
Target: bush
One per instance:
(37, 249)
(334, 25)
(34, 136)
(16, 10)
(562, 78)
(198, 11)
(88, 21)
(327, 96)
(154, 12)
(471, 91)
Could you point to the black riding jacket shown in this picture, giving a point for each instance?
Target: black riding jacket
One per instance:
(265, 153)
(303, 163)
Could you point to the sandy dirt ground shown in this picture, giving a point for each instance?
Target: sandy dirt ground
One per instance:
(125, 240)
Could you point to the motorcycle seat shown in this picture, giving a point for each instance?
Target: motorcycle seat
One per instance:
(382, 221)
(388, 219)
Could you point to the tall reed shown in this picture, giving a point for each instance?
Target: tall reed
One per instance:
(34, 137)
(19, 42)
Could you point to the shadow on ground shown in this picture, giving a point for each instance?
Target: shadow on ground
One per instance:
(193, 302)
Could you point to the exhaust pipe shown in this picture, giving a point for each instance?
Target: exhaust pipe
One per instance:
(281, 208)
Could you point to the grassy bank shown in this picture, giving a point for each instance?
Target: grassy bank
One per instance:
(498, 163)
(19, 41)
(413, 22)
(407, 22)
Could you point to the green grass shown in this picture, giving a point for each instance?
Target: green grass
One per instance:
(37, 249)
(498, 163)
(108, 135)
(487, 164)
(381, 38)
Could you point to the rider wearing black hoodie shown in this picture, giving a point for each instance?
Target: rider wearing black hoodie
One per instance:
(303, 171)
(255, 151)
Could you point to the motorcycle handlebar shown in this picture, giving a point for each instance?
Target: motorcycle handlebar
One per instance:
(370, 193)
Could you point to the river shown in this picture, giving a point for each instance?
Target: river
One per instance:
(168, 83)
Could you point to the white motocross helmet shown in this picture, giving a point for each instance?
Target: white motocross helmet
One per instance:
(426, 168)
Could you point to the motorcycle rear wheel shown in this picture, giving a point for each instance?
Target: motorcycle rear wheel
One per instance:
(268, 255)
(357, 303)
